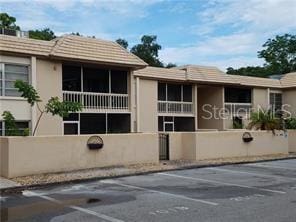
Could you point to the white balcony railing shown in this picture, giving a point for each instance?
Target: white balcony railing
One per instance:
(237, 108)
(175, 107)
(98, 101)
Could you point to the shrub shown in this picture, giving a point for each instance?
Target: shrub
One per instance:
(264, 120)
(290, 123)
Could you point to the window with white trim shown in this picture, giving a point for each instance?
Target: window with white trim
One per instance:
(21, 126)
(275, 101)
(9, 73)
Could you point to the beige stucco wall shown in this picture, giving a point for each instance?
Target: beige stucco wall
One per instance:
(292, 141)
(215, 97)
(289, 98)
(148, 120)
(49, 84)
(260, 97)
(212, 145)
(3, 156)
(229, 144)
(44, 154)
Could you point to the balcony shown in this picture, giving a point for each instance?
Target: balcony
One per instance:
(99, 102)
(175, 107)
(238, 108)
(17, 33)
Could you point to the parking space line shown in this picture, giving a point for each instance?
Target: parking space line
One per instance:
(87, 211)
(223, 183)
(250, 173)
(160, 192)
(271, 166)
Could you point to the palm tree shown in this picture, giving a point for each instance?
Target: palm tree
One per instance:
(264, 120)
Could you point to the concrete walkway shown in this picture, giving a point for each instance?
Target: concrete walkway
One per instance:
(5, 183)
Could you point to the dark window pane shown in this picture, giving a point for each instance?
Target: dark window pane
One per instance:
(72, 117)
(184, 124)
(236, 95)
(71, 78)
(169, 127)
(174, 92)
(70, 128)
(119, 82)
(92, 123)
(95, 80)
(160, 123)
(168, 118)
(187, 93)
(119, 123)
(22, 125)
(162, 91)
(1, 129)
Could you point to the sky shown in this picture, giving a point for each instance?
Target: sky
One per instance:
(222, 33)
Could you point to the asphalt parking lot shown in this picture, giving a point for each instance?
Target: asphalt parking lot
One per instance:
(263, 191)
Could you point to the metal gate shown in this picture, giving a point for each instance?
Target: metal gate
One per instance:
(164, 146)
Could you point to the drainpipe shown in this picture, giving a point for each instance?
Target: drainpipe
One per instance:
(138, 104)
(34, 84)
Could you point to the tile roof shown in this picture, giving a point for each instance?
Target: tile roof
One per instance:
(28, 46)
(289, 80)
(257, 81)
(208, 74)
(161, 73)
(96, 50)
(72, 47)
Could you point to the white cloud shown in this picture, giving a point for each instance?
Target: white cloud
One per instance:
(254, 21)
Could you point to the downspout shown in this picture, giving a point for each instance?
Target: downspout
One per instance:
(138, 103)
(34, 84)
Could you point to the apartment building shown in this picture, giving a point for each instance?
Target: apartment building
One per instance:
(120, 93)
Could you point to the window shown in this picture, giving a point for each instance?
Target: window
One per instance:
(9, 73)
(162, 91)
(118, 81)
(177, 124)
(238, 95)
(71, 78)
(71, 124)
(275, 102)
(21, 126)
(187, 93)
(93, 123)
(174, 92)
(97, 80)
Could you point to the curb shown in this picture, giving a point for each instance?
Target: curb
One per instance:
(19, 189)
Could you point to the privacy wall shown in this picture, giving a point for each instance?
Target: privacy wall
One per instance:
(44, 154)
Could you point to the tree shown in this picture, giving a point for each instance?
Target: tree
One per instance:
(280, 53)
(7, 21)
(53, 105)
(171, 65)
(122, 42)
(256, 71)
(148, 50)
(43, 34)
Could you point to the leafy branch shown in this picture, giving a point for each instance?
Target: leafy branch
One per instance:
(53, 106)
